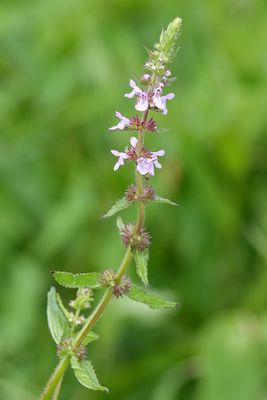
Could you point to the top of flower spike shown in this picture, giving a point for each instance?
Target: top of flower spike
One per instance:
(164, 51)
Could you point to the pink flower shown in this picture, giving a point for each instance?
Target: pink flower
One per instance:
(122, 156)
(146, 165)
(160, 101)
(142, 102)
(124, 122)
(146, 160)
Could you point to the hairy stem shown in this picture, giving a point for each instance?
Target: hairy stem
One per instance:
(54, 379)
(103, 302)
(57, 390)
(54, 383)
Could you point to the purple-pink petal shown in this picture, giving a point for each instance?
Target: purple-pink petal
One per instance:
(133, 141)
(159, 153)
(124, 122)
(136, 90)
(121, 157)
(142, 104)
(169, 96)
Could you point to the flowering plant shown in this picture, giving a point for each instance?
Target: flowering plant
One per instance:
(70, 329)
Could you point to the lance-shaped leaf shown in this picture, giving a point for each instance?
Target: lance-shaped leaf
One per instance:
(85, 374)
(151, 300)
(91, 337)
(159, 199)
(141, 261)
(120, 205)
(84, 280)
(57, 322)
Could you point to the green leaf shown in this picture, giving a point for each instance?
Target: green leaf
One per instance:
(85, 374)
(63, 308)
(141, 261)
(84, 280)
(91, 337)
(120, 205)
(57, 322)
(152, 301)
(159, 199)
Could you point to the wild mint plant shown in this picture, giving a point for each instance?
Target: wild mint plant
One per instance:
(71, 327)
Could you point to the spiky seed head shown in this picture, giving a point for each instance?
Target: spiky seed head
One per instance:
(122, 287)
(108, 278)
(137, 241)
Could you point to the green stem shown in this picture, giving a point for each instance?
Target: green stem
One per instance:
(57, 390)
(53, 384)
(62, 366)
(54, 379)
(141, 206)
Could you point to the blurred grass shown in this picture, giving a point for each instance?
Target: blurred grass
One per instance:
(64, 66)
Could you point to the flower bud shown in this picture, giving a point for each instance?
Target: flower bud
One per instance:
(83, 299)
(164, 51)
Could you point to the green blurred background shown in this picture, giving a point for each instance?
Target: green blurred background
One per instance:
(64, 67)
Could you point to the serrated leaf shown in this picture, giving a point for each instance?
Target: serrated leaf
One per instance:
(120, 205)
(85, 374)
(120, 223)
(91, 337)
(84, 280)
(57, 322)
(151, 300)
(159, 199)
(141, 261)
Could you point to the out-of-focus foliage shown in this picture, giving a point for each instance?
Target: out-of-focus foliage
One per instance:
(64, 66)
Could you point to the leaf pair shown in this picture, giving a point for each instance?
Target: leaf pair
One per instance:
(123, 203)
(67, 279)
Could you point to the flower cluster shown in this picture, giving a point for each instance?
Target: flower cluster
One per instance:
(65, 348)
(145, 160)
(108, 279)
(131, 194)
(147, 99)
(149, 96)
(129, 237)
